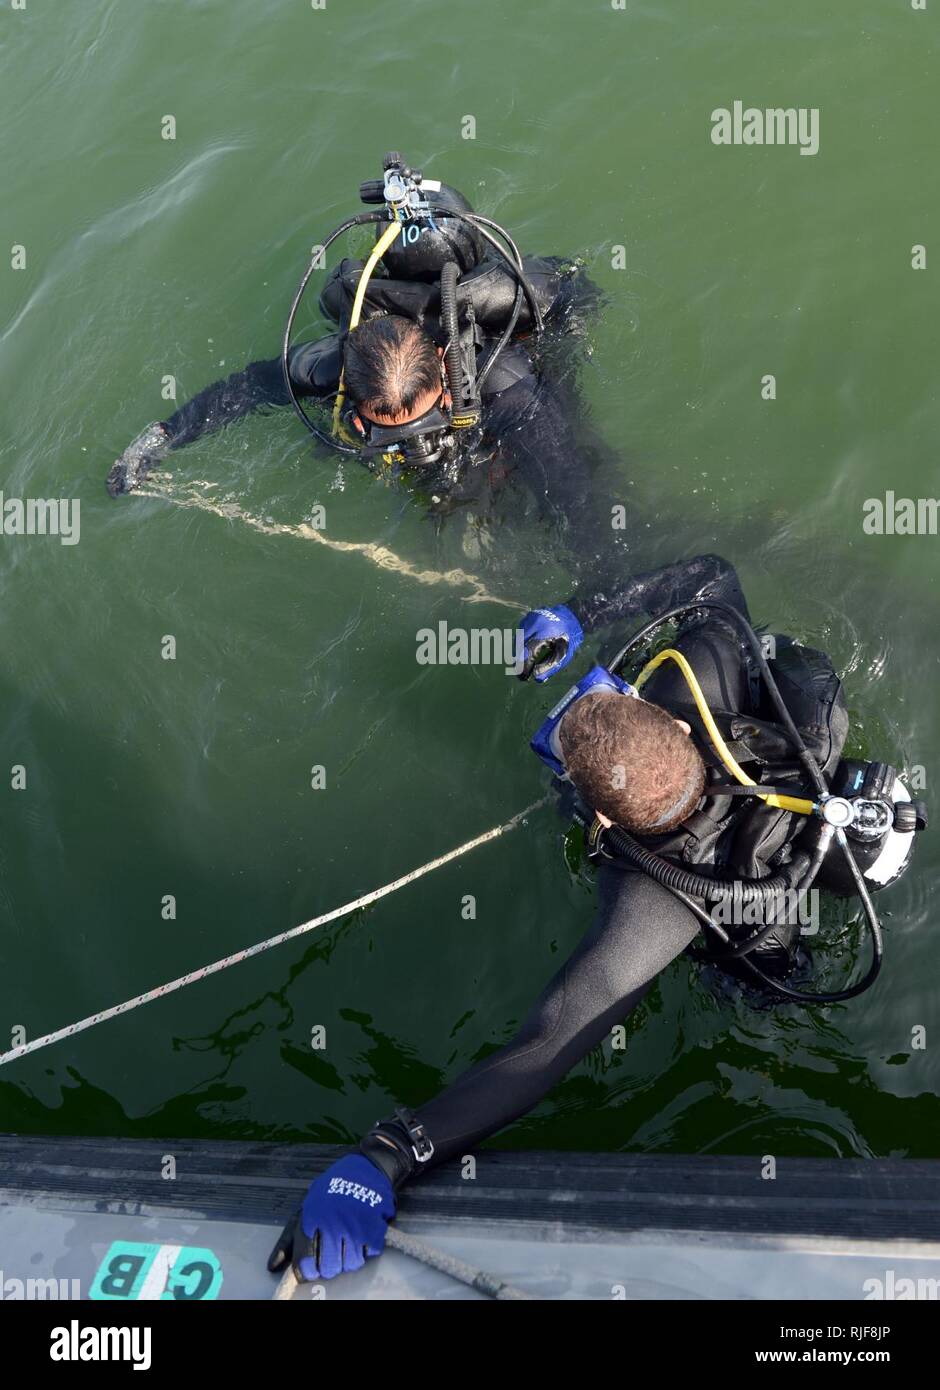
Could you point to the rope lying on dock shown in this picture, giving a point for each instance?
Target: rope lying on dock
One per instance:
(93, 1019)
(479, 1279)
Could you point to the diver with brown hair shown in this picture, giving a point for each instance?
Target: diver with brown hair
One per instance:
(709, 800)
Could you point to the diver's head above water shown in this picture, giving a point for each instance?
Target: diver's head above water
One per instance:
(393, 370)
(631, 762)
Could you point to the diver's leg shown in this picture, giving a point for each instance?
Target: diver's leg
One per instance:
(557, 457)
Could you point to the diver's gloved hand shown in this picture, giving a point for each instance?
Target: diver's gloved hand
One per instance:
(551, 636)
(148, 449)
(342, 1221)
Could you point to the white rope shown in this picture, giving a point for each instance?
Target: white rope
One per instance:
(93, 1019)
(489, 1284)
(379, 555)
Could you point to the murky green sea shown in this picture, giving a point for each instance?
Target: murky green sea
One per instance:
(147, 778)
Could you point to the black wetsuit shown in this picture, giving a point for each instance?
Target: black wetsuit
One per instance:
(640, 926)
(531, 426)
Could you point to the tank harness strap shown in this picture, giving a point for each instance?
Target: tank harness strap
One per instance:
(726, 721)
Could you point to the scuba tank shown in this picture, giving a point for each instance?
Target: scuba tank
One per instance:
(426, 246)
(880, 827)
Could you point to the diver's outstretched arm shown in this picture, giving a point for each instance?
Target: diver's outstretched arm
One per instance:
(656, 591)
(639, 929)
(553, 635)
(314, 369)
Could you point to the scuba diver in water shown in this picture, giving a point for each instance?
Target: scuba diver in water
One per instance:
(432, 374)
(708, 799)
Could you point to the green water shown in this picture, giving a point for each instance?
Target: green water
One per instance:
(148, 257)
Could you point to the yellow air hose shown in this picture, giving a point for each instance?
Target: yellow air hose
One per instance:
(378, 251)
(783, 803)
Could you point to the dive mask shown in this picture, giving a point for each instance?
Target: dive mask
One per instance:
(420, 441)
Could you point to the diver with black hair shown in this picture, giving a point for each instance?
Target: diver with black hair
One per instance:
(722, 786)
(440, 372)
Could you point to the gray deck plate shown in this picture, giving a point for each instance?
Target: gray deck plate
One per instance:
(559, 1225)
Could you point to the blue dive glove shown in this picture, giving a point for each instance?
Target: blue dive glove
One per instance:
(551, 636)
(342, 1221)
